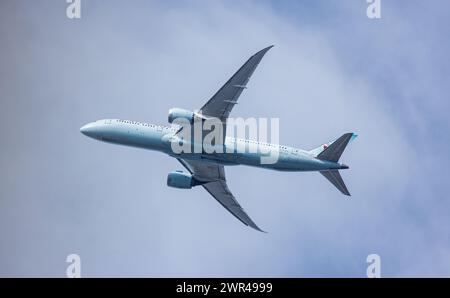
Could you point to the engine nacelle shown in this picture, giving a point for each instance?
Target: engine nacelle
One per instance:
(179, 179)
(177, 113)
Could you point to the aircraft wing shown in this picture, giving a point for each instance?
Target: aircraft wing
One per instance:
(217, 186)
(221, 104)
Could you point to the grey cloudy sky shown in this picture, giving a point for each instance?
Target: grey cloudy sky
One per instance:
(332, 70)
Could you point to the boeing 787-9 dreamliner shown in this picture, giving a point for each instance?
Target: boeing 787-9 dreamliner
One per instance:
(207, 168)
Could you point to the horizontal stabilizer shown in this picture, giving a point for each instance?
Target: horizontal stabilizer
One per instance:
(335, 178)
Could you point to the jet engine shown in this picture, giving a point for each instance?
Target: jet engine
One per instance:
(179, 179)
(177, 113)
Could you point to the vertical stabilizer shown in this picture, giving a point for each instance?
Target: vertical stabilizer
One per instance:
(334, 151)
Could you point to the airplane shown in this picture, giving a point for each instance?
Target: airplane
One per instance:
(207, 169)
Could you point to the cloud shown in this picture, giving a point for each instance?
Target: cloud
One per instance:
(63, 193)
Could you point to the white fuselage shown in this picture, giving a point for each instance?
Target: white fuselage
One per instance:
(160, 138)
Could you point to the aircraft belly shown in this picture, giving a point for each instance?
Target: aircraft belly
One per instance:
(141, 138)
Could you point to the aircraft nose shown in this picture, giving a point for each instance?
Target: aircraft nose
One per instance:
(88, 130)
